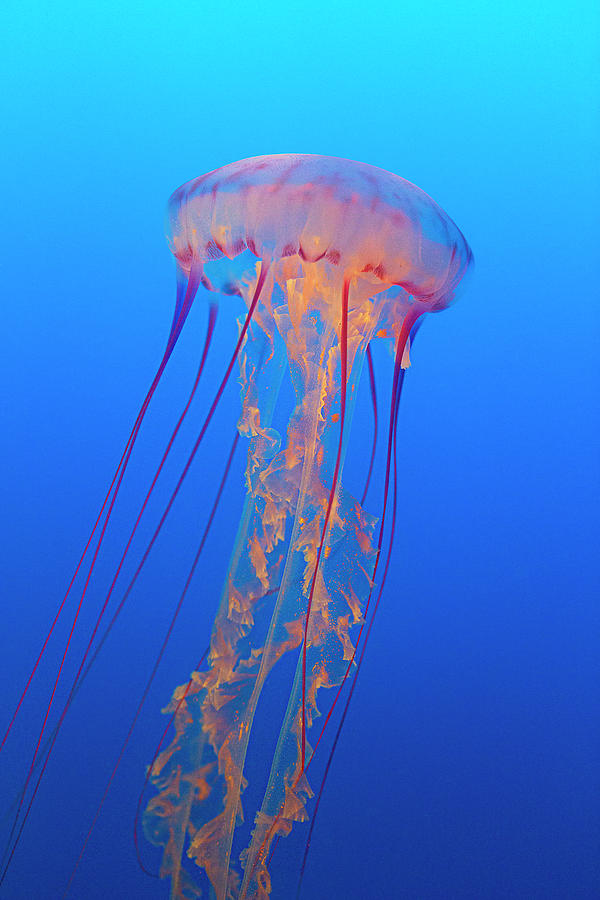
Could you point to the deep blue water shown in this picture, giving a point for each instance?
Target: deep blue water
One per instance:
(468, 767)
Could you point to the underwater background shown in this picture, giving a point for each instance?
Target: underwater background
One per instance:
(468, 767)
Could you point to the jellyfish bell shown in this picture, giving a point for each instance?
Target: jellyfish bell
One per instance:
(327, 255)
(356, 216)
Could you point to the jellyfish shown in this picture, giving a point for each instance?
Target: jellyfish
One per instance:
(328, 255)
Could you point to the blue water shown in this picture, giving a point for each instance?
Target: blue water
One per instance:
(468, 767)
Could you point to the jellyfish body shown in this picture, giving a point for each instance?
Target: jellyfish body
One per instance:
(328, 255)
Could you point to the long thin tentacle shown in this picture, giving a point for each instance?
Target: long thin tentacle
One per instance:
(332, 493)
(375, 423)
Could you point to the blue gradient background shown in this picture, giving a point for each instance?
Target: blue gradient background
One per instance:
(469, 764)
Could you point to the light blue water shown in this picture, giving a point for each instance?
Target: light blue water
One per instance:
(469, 764)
